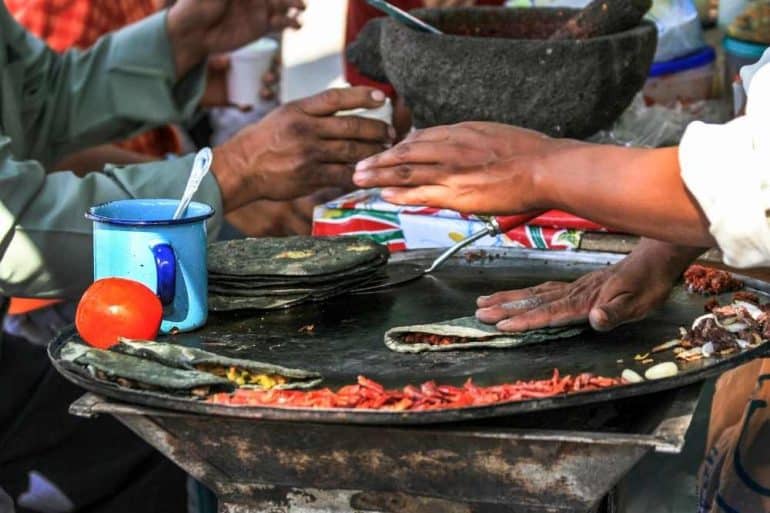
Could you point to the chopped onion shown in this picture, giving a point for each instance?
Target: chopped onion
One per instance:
(753, 309)
(707, 349)
(731, 326)
(666, 345)
(690, 354)
(743, 344)
(662, 370)
(631, 376)
(697, 321)
(736, 327)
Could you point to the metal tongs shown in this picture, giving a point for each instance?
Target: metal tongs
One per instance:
(492, 226)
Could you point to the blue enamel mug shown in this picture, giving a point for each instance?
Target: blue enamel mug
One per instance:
(137, 239)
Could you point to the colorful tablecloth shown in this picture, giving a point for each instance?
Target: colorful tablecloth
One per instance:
(364, 212)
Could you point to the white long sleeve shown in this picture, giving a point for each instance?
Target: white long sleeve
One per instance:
(727, 169)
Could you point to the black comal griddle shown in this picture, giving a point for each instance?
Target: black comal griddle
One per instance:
(343, 338)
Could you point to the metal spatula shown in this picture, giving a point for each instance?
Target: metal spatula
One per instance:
(400, 273)
(493, 226)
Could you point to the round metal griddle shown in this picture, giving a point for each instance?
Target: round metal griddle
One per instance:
(343, 338)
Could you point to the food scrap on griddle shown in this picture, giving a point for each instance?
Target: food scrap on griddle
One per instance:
(709, 281)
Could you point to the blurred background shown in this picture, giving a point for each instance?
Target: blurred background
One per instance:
(312, 55)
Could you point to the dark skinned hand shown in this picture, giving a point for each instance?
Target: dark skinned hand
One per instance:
(271, 80)
(473, 167)
(622, 293)
(300, 148)
(489, 168)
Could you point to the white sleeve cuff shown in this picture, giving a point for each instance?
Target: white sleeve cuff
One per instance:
(724, 171)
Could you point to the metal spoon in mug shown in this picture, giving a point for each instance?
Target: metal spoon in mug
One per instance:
(200, 167)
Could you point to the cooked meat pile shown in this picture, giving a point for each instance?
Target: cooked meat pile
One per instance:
(727, 328)
(707, 281)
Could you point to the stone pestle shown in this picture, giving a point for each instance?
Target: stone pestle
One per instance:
(603, 17)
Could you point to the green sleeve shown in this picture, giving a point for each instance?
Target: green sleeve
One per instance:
(45, 240)
(53, 104)
(124, 84)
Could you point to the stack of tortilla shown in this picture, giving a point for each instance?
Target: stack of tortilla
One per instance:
(270, 273)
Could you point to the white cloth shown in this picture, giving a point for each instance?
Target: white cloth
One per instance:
(727, 169)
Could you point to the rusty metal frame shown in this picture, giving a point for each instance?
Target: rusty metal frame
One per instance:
(291, 467)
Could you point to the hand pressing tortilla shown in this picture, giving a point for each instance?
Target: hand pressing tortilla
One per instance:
(466, 333)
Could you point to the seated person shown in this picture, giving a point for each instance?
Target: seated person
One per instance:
(79, 25)
(146, 75)
(711, 190)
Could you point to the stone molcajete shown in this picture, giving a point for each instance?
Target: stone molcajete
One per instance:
(497, 64)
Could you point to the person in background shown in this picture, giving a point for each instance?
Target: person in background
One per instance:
(147, 74)
(714, 189)
(358, 14)
(79, 24)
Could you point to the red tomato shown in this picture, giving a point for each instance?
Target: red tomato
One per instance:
(117, 307)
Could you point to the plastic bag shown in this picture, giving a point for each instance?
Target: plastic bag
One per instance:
(656, 126)
(679, 28)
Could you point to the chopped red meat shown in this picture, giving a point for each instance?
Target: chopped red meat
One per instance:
(707, 281)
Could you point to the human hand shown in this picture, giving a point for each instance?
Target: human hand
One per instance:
(271, 80)
(621, 293)
(197, 28)
(300, 147)
(215, 94)
(475, 167)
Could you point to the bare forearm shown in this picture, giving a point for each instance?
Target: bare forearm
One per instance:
(633, 190)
